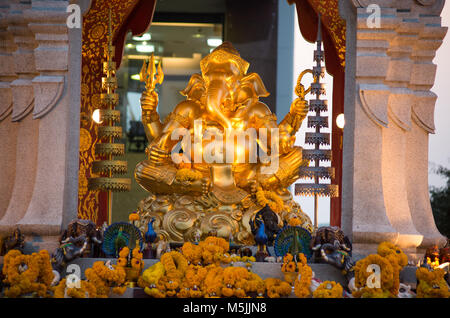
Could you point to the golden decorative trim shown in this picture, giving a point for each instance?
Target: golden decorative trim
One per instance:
(114, 166)
(325, 190)
(109, 184)
(109, 149)
(109, 131)
(110, 114)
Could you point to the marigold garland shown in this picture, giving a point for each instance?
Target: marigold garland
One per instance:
(277, 288)
(328, 289)
(26, 274)
(294, 221)
(175, 264)
(270, 198)
(106, 280)
(386, 249)
(86, 290)
(431, 283)
(303, 281)
(386, 278)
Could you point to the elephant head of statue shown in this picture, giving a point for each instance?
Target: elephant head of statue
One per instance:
(251, 88)
(222, 71)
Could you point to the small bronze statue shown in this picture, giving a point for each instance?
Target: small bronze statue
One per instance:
(69, 249)
(331, 246)
(88, 229)
(15, 241)
(330, 235)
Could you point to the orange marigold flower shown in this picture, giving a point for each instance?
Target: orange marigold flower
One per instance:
(290, 267)
(133, 217)
(122, 262)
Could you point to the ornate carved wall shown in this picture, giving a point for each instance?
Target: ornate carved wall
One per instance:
(127, 15)
(334, 42)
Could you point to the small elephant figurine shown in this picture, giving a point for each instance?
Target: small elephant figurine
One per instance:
(69, 249)
(330, 235)
(94, 235)
(331, 254)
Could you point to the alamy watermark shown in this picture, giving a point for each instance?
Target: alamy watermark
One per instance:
(73, 280)
(374, 279)
(230, 146)
(74, 19)
(374, 19)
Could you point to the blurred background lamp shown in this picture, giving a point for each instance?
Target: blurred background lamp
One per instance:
(136, 77)
(145, 48)
(144, 37)
(96, 116)
(340, 121)
(214, 42)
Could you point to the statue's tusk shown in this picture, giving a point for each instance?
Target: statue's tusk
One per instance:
(96, 240)
(345, 248)
(315, 248)
(324, 255)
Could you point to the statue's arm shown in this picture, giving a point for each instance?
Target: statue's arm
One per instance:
(180, 118)
(260, 116)
(293, 120)
(150, 117)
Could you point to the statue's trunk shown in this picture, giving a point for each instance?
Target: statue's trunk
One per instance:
(217, 92)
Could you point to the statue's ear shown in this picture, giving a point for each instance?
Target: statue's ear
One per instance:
(254, 82)
(196, 82)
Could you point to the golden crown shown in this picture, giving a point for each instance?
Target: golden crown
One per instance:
(225, 53)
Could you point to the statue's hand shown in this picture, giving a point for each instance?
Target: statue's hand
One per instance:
(149, 101)
(286, 143)
(157, 155)
(300, 108)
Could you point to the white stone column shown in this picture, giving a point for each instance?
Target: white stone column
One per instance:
(27, 129)
(370, 224)
(44, 215)
(423, 102)
(8, 131)
(394, 148)
(386, 144)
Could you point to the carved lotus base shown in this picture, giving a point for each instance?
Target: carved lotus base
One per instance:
(182, 218)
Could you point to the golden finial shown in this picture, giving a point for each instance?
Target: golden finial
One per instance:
(150, 74)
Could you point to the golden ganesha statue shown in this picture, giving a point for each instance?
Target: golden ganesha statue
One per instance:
(220, 156)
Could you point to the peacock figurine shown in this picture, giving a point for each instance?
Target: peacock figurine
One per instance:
(293, 240)
(261, 236)
(118, 235)
(150, 235)
(261, 240)
(120, 241)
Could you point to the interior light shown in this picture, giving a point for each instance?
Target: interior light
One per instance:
(145, 48)
(96, 116)
(143, 37)
(340, 121)
(136, 77)
(214, 42)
